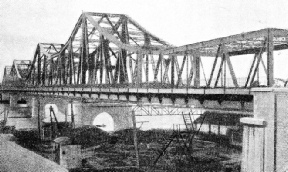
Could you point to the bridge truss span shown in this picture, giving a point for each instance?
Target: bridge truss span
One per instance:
(102, 49)
(112, 56)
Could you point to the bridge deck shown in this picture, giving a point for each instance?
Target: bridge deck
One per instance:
(87, 90)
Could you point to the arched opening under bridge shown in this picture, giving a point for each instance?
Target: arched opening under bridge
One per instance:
(104, 121)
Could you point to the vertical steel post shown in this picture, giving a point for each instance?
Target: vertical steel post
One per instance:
(197, 70)
(71, 61)
(85, 50)
(124, 39)
(172, 70)
(44, 70)
(39, 66)
(161, 63)
(139, 69)
(62, 68)
(270, 59)
(147, 68)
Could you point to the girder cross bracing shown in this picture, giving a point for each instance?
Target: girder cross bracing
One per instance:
(114, 51)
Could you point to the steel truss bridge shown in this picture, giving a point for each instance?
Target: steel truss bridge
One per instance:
(111, 56)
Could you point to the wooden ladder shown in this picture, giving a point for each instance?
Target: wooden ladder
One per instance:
(188, 121)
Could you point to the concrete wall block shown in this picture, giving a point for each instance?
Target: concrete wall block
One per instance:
(113, 97)
(249, 106)
(214, 129)
(180, 91)
(282, 132)
(70, 156)
(78, 95)
(104, 96)
(85, 96)
(211, 104)
(194, 103)
(205, 128)
(231, 105)
(155, 100)
(95, 89)
(180, 101)
(94, 96)
(132, 98)
(144, 100)
(87, 89)
(142, 90)
(253, 154)
(122, 97)
(167, 101)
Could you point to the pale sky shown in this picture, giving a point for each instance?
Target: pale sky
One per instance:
(24, 23)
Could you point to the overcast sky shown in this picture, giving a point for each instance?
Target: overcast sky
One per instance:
(24, 23)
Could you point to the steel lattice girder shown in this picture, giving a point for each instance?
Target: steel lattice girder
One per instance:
(244, 43)
(114, 49)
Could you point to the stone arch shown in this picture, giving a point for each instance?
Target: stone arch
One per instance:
(104, 121)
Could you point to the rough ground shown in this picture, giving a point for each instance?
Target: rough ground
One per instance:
(213, 155)
(117, 152)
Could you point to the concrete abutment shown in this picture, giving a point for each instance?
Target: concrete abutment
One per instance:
(265, 137)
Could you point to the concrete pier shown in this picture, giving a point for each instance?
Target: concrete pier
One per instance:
(265, 137)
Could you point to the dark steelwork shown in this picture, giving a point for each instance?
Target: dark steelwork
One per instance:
(114, 51)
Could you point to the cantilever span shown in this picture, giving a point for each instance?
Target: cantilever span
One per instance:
(102, 48)
(111, 49)
(114, 51)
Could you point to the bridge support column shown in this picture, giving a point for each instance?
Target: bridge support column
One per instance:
(74, 112)
(13, 100)
(37, 113)
(265, 136)
(5, 114)
(33, 104)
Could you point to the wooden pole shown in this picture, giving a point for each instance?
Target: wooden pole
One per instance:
(135, 138)
(39, 121)
(72, 116)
